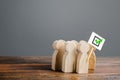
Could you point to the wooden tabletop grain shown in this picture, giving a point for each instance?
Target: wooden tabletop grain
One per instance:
(39, 68)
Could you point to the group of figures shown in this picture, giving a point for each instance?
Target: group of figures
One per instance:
(72, 56)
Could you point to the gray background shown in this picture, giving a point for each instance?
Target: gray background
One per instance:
(28, 27)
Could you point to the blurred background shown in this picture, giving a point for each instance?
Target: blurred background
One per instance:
(29, 27)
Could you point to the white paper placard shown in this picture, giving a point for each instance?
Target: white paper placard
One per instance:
(96, 41)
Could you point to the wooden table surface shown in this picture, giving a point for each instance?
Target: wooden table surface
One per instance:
(39, 68)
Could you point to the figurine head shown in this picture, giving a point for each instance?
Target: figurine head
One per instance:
(83, 46)
(58, 44)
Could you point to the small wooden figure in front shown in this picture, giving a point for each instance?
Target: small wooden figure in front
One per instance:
(69, 58)
(57, 57)
(82, 63)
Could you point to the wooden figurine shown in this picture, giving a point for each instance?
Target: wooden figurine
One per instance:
(69, 58)
(82, 62)
(92, 60)
(57, 57)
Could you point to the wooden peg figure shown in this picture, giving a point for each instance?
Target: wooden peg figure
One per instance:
(69, 58)
(57, 57)
(82, 63)
(92, 60)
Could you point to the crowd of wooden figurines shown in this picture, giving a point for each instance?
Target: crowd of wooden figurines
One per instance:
(72, 56)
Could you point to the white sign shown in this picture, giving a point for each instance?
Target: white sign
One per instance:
(96, 41)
